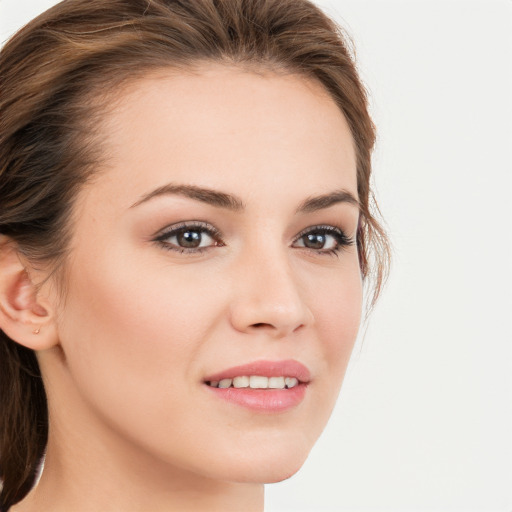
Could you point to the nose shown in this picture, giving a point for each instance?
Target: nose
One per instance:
(268, 298)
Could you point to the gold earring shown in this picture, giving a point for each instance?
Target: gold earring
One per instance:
(37, 331)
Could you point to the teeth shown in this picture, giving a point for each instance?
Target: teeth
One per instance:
(256, 382)
(225, 383)
(241, 382)
(291, 382)
(276, 382)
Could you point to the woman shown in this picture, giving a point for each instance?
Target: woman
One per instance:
(186, 227)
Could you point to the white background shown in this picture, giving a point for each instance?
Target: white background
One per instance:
(424, 421)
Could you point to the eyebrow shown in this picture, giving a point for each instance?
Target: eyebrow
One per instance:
(234, 203)
(313, 204)
(205, 195)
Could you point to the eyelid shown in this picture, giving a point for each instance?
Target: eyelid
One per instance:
(342, 240)
(174, 229)
(326, 228)
(161, 236)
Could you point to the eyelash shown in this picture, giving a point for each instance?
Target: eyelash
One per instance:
(342, 240)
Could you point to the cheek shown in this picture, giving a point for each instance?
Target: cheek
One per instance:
(337, 310)
(134, 303)
(337, 320)
(340, 319)
(131, 337)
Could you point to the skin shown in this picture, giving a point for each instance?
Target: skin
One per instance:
(132, 426)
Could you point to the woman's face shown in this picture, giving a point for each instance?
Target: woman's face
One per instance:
(221, 234)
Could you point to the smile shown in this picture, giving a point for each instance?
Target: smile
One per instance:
(263, 386)
(256, 382)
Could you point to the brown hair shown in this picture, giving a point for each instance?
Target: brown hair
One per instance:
(56, 75)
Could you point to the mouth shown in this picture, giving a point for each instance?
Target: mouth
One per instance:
(263, 386)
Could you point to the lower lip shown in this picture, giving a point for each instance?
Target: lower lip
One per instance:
(263, 400)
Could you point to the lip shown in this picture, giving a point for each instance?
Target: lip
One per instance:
(264, 400)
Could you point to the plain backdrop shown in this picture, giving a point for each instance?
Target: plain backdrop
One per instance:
(424, 420)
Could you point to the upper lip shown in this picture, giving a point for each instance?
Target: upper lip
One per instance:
(286, 368)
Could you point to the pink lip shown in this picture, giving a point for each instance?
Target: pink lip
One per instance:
(264, 400)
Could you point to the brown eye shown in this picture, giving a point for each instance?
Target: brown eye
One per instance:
(314, 241)
(189, 238)
(323, 239)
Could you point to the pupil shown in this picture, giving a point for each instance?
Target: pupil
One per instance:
(315, 241)
(189, 239)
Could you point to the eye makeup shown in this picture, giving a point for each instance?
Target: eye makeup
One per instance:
(319, 235)
(190, 235)
(196, 237)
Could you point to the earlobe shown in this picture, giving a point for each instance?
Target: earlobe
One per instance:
(24, 317)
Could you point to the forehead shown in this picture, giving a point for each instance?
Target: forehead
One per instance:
(222, 126)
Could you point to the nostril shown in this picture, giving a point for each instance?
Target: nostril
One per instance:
(262, 325)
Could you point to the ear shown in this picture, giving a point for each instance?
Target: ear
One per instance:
(25, 317)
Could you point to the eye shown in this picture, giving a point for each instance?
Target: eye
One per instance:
(323, 239)
(191, 237)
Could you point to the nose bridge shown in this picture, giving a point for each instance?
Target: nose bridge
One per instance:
(268, 292)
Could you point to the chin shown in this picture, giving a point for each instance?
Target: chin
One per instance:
(272, 472)
(283, 474)
(268, 466)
